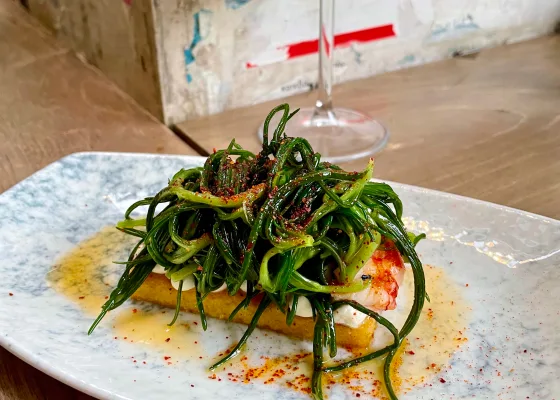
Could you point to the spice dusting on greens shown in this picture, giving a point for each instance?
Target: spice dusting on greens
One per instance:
(285, 222)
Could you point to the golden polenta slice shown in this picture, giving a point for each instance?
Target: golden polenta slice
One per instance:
(157, 289)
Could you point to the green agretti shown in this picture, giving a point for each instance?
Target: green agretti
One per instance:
(285, 222)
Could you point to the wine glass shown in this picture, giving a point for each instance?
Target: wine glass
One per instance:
(338, 134)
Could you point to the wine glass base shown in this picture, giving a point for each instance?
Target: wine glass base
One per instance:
(339, 136)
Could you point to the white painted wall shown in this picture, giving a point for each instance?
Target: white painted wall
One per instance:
(207, 73)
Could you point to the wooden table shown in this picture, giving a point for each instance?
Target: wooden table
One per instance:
(51, 105)
(485, 126)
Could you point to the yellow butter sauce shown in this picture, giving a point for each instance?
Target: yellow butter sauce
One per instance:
(441, 331)
(150, 329)
(81, 275)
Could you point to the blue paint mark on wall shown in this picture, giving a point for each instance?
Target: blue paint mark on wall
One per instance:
(467, 23)
(408, 59)
(454, 29)
(235, 4)
(197, 37)
(357, 55)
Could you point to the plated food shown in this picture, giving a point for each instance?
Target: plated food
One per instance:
(279, 240)
(487, 332)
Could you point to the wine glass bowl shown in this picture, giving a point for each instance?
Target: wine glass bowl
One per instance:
(339, 135)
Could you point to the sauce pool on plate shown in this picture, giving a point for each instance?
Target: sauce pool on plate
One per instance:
(87, 275)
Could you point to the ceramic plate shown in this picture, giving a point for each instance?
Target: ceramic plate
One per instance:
(503, 265)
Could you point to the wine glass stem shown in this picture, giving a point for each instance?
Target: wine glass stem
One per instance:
(323, 105)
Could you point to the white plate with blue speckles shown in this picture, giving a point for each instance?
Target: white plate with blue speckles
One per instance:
(509, 259)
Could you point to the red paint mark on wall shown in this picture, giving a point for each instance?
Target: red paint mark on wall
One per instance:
(249, 65)
(308, 47)
(128, 2)
(342, 40)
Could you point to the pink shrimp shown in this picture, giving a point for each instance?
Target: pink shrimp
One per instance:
(386, 268)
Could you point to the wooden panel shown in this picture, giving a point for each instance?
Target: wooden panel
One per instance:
(57, 106)
(52, 104)
(115, 36)
(46, 11)
(485, 126)
(22, 40)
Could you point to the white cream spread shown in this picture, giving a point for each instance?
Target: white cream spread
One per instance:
(221, 288)
(188, 284)
(158, 269)
(347, 315)
(304, 308)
